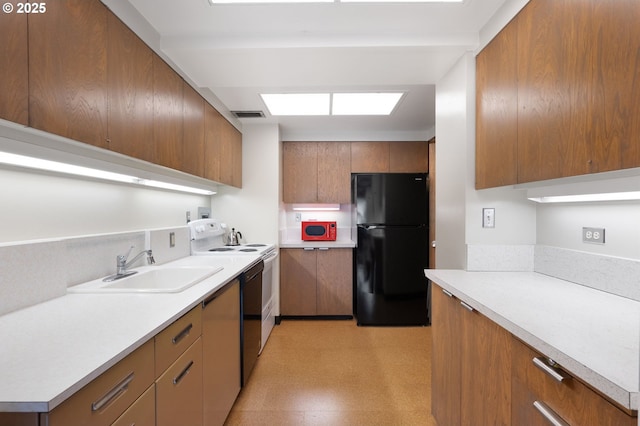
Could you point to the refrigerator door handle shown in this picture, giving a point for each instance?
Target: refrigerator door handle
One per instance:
(368, 227)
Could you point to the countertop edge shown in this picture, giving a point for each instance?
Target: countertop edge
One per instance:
(626, 398)
(207, 287)
(317, 244)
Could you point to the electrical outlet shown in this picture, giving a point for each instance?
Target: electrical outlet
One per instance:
(488, 218)
(298, 217)
(593, 235)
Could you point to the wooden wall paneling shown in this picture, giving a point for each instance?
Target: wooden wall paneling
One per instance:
(68, 71)
(212, 142)
(130, 92)
(497, 110)
(408, 157)
(300, 172)
(334, 172)
(14, 61)
(167, 114)
(193, 144)
(554, 103)
(369, 157)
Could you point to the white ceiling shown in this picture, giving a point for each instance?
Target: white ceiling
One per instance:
(239, 51)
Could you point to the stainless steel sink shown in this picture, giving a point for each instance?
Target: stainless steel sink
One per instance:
(156, 280)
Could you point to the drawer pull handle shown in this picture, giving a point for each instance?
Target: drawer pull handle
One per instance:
(184, 333)
(113, 393)
(549, 414)
(184, 372)
(542, 364)
(467, 307)
(447, 293)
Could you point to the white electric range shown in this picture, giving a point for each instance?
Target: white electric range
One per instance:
(209, 238)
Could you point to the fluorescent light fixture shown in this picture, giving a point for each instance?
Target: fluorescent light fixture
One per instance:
(583, 198)
(316, 207)
(364, 103)
(401, 1)
(174, 187)
(55, 166)
(297, 103)
(214, 2)
(372, 103)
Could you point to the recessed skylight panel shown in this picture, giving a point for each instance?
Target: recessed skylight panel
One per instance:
(297, 103)
(364, 103)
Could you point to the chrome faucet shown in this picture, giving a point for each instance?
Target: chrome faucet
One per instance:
(122, 264)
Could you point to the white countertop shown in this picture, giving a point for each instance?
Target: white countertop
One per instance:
(592, 334)
(51, 350)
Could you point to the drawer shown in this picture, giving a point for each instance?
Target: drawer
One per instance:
(176, 338)
(535, 390)
(142, 412)
(103, 400)
(179, 390)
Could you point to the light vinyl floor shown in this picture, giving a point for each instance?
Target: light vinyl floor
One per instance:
(336, 373)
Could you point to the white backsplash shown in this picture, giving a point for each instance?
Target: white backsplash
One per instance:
(612, 274)
(510, 258)
(342, 217)
(36, 271)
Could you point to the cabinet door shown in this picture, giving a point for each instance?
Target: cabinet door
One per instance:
(142, 412)
(212, 142)
(408, 157)
(555, 105)
(298, 282)
(334, 172)
(103, 400)
(334, 292)
(130, 90)
(569, 400)
(446, 335)
(167, 114)
(179, 390)
(369, 157)
(485, 397)
(68, 71)
(14, 63)
(194, 132)
(497, 110)
(221, 351)
(300, 172)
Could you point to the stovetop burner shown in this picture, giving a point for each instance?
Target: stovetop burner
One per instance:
(248, 249)
(255, 245)
(222, 249)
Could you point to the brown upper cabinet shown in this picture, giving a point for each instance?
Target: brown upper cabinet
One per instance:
(389, 157)
(316, 172)
(167, 115)
(68, 71)
(77, 71)
(577, 91)
(14, 63)
(130, 90)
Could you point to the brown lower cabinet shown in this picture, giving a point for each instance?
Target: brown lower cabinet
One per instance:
(316, 282)
(483, 375)
(188, 374)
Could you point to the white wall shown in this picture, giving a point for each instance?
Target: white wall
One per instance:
(560, 225)
(458, 204)
(254, 209)
(39, 205)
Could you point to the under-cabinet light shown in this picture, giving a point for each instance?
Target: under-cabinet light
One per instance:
(316, 207)
(583, 198)
(71, 169)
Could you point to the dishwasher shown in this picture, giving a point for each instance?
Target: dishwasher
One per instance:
(251, 324)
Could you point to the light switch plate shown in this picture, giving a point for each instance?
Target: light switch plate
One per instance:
(488, 218)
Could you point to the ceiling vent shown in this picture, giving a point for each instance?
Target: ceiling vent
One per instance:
(248, 114)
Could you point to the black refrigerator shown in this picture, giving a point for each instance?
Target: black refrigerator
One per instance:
(392, 251)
